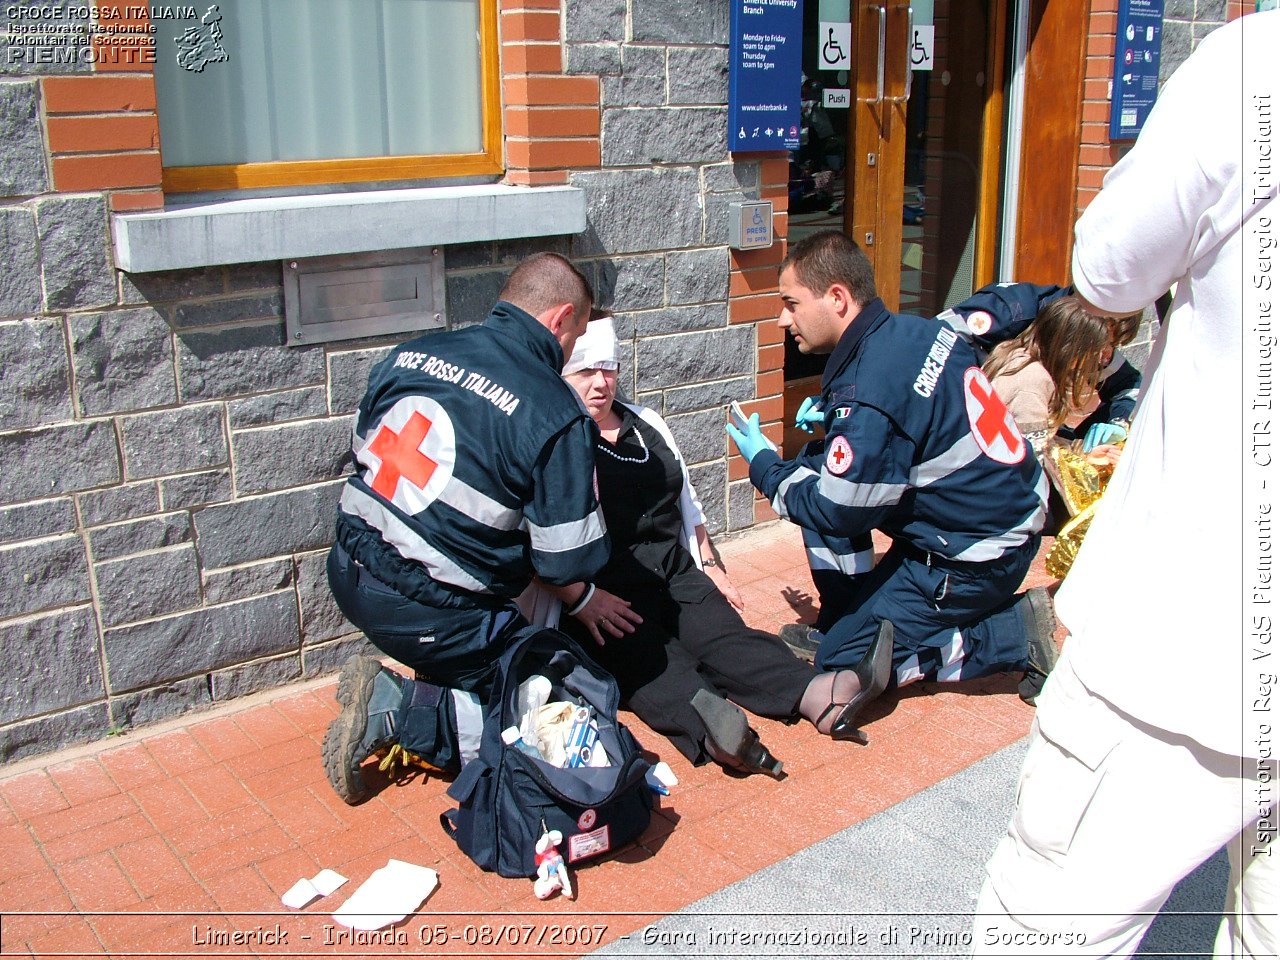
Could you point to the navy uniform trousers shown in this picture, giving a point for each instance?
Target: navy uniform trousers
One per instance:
(952, 621)
(448, 650)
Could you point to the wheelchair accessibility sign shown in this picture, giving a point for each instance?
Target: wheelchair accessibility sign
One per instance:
(920, 51)
(836, 50)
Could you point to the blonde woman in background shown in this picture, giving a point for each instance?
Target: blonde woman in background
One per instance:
(1052, 369)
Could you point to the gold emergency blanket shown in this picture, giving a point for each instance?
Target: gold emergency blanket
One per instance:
(1081, 485)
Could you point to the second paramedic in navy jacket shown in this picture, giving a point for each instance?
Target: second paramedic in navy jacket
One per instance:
(919, 447)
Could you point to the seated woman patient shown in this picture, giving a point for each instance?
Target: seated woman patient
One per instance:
(692, 650)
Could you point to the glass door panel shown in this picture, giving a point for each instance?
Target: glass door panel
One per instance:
(943, 133)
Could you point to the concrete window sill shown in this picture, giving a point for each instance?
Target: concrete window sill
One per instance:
(281, 228)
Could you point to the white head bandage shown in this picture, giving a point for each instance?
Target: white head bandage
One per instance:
(597, 349)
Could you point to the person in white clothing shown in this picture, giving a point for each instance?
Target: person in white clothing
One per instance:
(1146, 756)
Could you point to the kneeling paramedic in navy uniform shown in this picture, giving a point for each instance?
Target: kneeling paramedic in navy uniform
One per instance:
(474, 472)
(990, 316)
(919, 447)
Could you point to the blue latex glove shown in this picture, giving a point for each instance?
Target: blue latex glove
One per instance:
(749, 441)
(1101, 433)
(810, 413)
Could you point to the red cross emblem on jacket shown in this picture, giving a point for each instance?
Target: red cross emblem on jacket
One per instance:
(839, 456)
(401, 456)
(408, 458)
(990, 421)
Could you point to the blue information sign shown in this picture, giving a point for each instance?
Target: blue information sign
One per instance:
(1136, 79)
(764, 74)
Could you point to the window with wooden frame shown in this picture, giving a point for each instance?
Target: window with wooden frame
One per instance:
(269, 93)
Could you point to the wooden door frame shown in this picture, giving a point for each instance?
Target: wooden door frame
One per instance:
(873, 185)
(993, 136)
(866, 123)
(1052, 130)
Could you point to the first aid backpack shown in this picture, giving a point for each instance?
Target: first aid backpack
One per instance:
(507, 798)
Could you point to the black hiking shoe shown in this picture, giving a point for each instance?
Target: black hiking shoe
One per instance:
(1042, 652)
(802, 639)
(370, 695)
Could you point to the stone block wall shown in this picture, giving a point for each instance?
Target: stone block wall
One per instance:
(173, 466)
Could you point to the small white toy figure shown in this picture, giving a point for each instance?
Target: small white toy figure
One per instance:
(553, 875)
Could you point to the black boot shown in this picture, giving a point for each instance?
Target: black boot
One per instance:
(370, 695)
(730, 739)
(1042, 653)
(802, 639)
(874, 671)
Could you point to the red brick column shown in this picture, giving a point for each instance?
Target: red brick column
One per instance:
(1097, 153)
(753, 299)
(103, 130)
(551, 121)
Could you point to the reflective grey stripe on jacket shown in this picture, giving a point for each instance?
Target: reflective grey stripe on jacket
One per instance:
(563, 537)
(407, 543)
(1029, 526)
(850, 564)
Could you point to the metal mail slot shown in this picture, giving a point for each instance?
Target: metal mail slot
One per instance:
(363, 295)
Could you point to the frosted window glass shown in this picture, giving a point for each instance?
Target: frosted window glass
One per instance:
(319, 80)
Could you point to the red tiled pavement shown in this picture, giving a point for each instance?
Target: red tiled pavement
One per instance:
(223, 812)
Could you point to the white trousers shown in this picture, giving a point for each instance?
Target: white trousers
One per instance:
(1110, 815)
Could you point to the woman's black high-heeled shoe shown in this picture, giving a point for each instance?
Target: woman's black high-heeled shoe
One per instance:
(873, 672)
(730, 739)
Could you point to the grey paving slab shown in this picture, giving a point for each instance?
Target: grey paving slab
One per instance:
(902, 883)
(1189, 920)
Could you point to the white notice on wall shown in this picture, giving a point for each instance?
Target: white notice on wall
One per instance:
(835, 50)
(921, 49)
